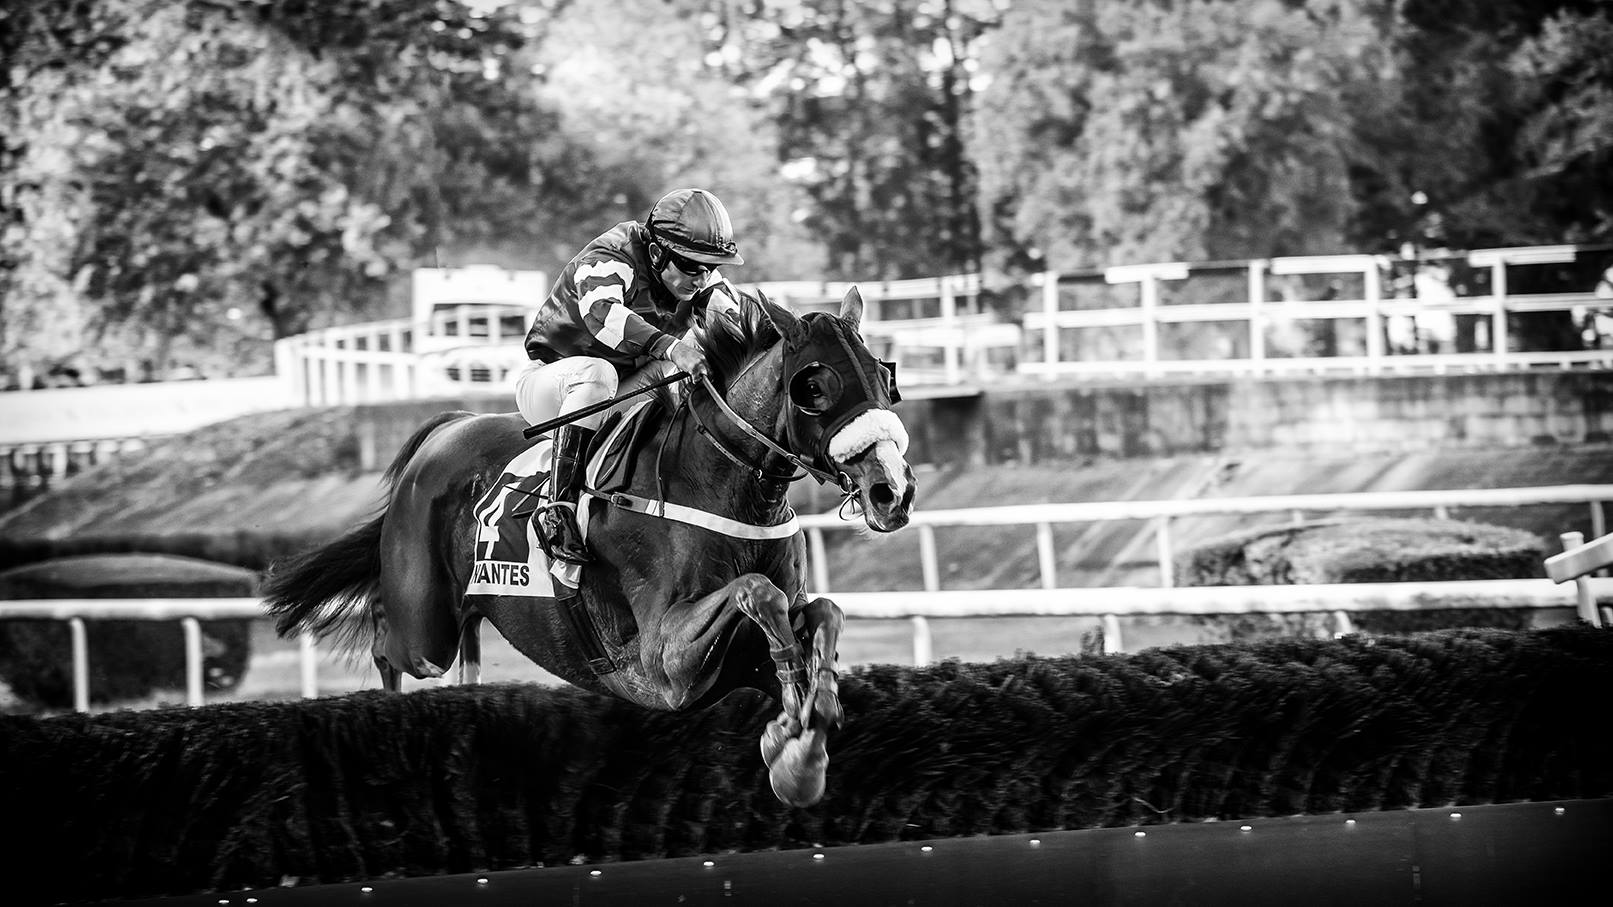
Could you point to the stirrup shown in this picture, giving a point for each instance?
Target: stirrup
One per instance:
(558, 534)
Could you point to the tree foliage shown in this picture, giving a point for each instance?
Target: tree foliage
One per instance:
(1154, 132)
(201, 177)
(871, 101)
(237, 172)
(1136, 131)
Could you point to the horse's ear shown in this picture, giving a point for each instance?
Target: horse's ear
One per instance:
(788, 326)
(851, 308)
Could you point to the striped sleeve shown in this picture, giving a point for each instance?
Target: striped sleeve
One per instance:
(602, 289)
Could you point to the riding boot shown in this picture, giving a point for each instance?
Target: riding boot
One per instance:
(557, 520)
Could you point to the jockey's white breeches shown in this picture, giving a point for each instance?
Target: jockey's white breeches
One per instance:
(546, 390)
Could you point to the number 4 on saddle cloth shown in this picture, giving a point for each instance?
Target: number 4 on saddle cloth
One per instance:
(509, 558)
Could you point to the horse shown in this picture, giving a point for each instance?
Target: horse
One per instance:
(685, 613)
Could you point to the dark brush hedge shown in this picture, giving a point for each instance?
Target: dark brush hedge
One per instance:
(128, 658)
(1367, 550)
(466, 779)
(1374, 550)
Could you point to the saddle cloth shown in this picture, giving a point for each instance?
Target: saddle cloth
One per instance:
(509, 561)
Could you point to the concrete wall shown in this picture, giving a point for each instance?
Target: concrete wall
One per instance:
(1031, 423)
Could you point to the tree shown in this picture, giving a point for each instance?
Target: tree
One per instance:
(1127, 132)
(272, 161)
(49, 49)
(870, 103)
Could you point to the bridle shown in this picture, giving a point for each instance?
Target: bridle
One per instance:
(823, 476)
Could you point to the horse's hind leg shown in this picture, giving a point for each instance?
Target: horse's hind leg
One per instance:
(470, 649)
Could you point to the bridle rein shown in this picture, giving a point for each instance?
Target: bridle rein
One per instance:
(823, 476)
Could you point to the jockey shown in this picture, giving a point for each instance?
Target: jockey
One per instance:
(615, 321)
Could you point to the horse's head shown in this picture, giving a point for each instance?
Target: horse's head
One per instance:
(838, 416)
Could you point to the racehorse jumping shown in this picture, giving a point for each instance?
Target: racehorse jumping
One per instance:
(684, 612)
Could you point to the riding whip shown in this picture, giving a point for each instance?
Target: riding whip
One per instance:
(558, 421)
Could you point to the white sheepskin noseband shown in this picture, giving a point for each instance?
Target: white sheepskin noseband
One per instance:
(868, 429)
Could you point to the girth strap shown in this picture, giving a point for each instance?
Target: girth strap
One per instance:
(704, 519)
(585, 632)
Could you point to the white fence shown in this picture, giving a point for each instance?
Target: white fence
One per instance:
(1045, 516)
(1240, 337)
(1109, 604)
(942, 332)
(940, 336)
(939, 329)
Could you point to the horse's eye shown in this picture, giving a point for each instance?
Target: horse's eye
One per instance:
(814, 389)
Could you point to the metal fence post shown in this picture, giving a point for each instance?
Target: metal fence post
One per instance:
(81, 664)
(1112, 643)
(932, 572)
(1167, 559)
(1050, 329)
(1044, 555)
(923, 649)
(820, 566)
(1584, 597)
(193, 660)
(310, 665)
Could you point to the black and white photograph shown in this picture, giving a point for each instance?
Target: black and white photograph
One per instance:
(1110, 453)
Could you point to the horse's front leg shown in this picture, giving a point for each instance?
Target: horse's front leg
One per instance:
(795, 747)
(822, 621)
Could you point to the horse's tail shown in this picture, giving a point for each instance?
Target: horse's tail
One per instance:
(325, 590)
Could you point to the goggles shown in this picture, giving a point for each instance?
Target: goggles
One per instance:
(687, 266)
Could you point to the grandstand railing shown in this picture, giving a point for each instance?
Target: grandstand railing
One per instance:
(1338, 314)
(1109, 604)
(1350, 314)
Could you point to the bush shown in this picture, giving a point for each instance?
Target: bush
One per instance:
(1375, 550)
(128, 659)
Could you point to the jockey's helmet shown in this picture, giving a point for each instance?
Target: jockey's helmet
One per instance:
(694, 224)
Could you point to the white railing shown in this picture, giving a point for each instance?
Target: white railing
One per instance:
(941, 337)
(188, 611)
(937, 328)
(1131, 335)
(1107, 604)
(1162, 512)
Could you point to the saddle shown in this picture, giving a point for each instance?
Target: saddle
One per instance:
(509, 561)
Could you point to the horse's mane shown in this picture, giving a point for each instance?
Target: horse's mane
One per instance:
(730, 343)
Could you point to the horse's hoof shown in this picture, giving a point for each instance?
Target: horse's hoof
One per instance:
(774, 736)
(801, 772)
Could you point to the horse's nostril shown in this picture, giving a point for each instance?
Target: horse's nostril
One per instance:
(881, 494)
